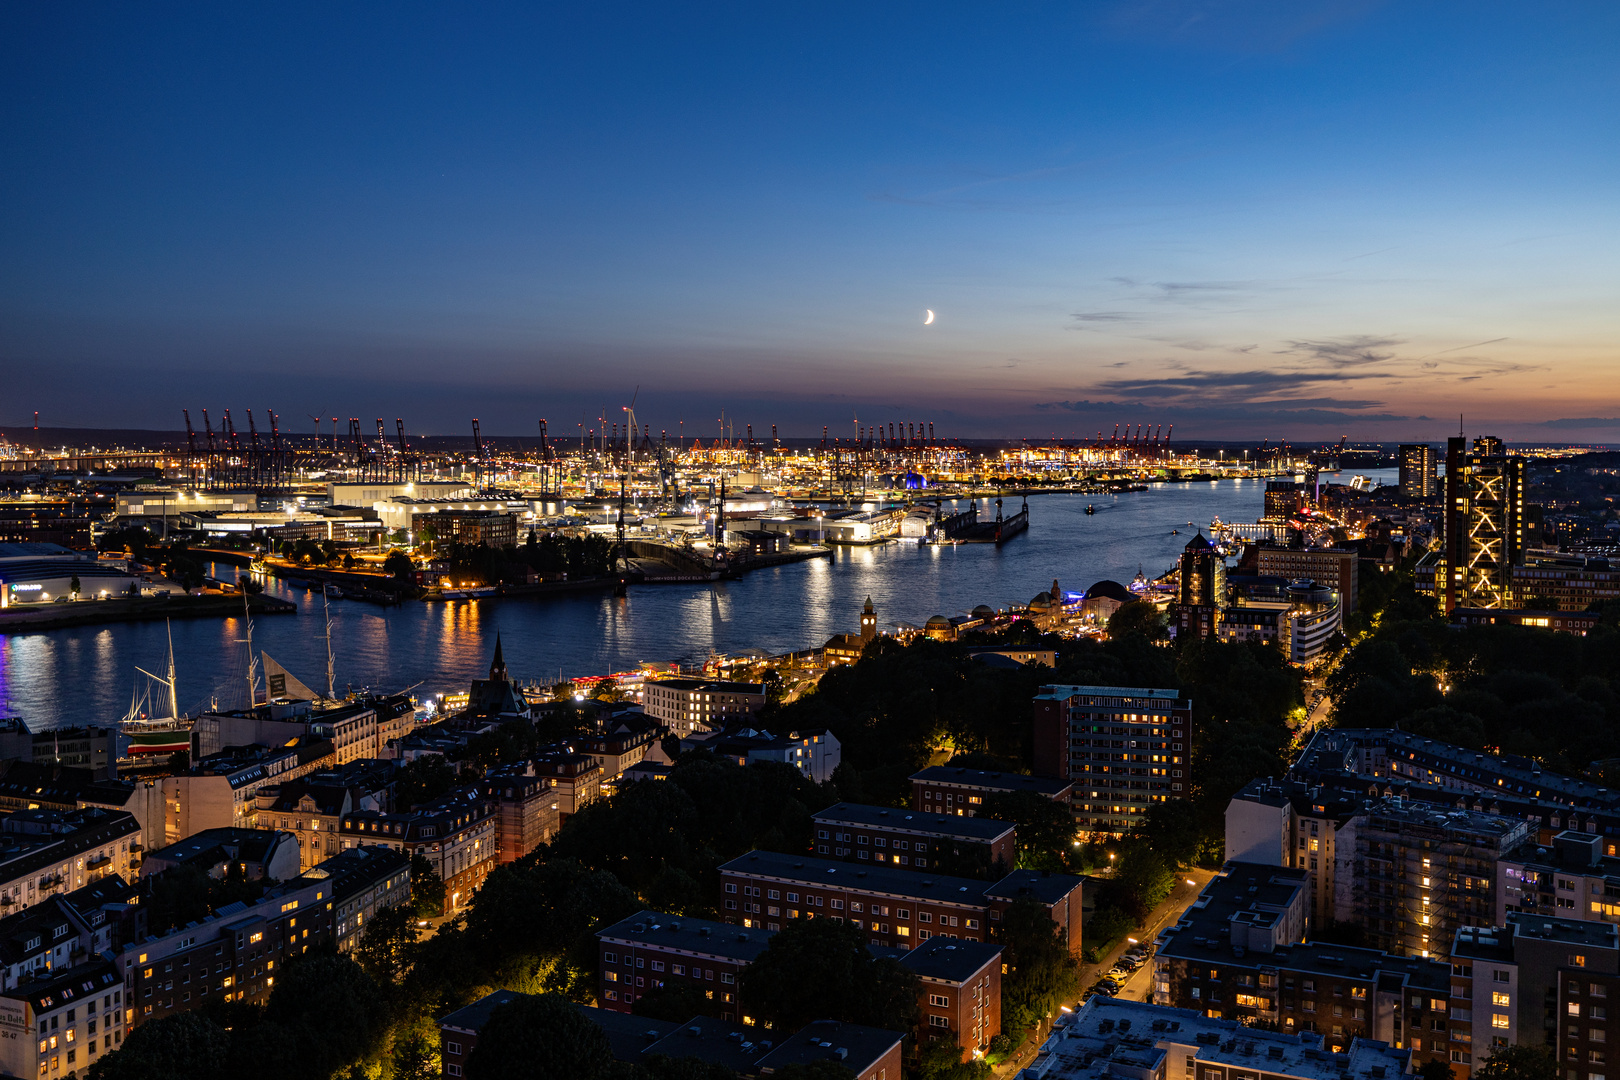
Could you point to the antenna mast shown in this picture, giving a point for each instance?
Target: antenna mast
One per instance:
(253, 661)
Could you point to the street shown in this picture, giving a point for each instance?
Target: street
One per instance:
(1140, 983)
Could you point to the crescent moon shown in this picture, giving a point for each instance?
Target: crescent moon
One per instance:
(929, 320)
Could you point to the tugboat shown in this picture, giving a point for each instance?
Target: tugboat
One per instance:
(1090, 509)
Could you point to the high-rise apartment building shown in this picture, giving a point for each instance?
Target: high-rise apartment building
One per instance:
(1484, 536)
(1202, 593)
(1123, 748)
(1418, 477)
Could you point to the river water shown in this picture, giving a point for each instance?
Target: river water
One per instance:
(86, 674)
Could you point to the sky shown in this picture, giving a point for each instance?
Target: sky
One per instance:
(1299, 219)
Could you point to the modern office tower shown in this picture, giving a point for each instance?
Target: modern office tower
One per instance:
(1484, 524)
(1418, 471)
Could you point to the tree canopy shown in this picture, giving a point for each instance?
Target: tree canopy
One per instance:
(820, 969)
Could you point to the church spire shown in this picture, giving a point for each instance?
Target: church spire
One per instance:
(497, 666)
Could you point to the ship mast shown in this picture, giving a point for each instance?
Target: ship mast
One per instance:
(253, 661)
(174, 695)
(326, 603)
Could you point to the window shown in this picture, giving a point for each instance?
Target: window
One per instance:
(1499, 998)
(452, 1048)
(939, 1000)
(939, 1021)
(607, 958)
(1499, 976)
(1499, 1020)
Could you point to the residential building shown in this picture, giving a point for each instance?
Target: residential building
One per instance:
(1293, 824)
(236, 952)
(311, 810)
(62, 1023)
(687, 705)
(1484, 530)
(941, 789)
(725, 1043)
(28, 785)
(221, 791)
(869, 1053)
(526, 813)
(263, 854)
(1564, 622)
(1571, 878)
(625, 743)
(960, 996)
(1116, 1039)
(650, 951)
(46, 853)
(365, 880)
(1124, 748)
(459, 1030)
(455, 834)
(1410, 875)
(1314, 615)
(65, 930)
(575, 780)
(1201, 590)
(1243, 951)
(815, 752)
(91, 748)
(898, 908)
(1337, 568)
(1418, 476)
(1564, 582)
(933, 843)
(1535, 981)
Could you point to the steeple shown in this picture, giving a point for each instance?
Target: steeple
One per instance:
(497, 666)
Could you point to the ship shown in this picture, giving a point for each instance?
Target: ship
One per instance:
(144, 735)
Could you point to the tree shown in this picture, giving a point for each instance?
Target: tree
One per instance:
(180, 761)
(427, 889)
(1518, 1063)
(1141, 880)
(185, 1044)
(400, 566)
(1137, 619)
(385, 944)
(1172, 832)
(941, 1059)
(73, 586)
(1045, 826)
(333, 1010)
(1434, 1069)
(423, 780)
(1041, 972)
(540, 1037)
(821, 969)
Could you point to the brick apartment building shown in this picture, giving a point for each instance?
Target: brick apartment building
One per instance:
(456, 834)
(925, 842)
(960, 996)
(1123, 748)
(941, 789)
(650, 951)
(1337, 568)
(897, 908)
(526, 810)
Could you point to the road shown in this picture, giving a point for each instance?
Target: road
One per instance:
(1140, 984)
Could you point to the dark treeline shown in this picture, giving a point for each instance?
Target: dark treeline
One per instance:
(1512, 689)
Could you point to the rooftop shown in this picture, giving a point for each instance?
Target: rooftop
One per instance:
(718, 1042)
(1108, 1032)
(910, 884)
(966, 828)
(950, 959)
(1043, 885)
(473, 1017)
(720, 940)
(627, 1035)
(991, 781)
(852, 1045)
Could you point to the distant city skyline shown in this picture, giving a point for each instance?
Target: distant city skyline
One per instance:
(1248, 220)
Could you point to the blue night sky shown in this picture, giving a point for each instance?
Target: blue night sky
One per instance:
(1299, 219)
